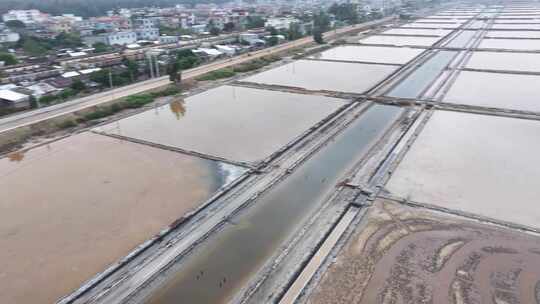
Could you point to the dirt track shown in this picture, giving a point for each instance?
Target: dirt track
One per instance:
(403, 255)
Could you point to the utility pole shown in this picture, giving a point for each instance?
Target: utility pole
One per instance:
(150, 64)
(157, 66)
(110, 79)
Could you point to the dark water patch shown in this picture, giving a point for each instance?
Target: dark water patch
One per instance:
(220, 267)
(419, 80)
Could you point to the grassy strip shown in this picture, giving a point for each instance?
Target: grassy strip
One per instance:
(249, 66)
(217, 74)
(255, 64)
(130, 102)
(313, 51)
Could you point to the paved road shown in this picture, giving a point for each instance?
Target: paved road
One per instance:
(39, 115)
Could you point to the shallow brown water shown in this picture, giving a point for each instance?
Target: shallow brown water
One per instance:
(71, 208)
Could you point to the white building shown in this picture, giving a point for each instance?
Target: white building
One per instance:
(7, 36)
(12, 99)
(40, 89)
(199, 28)
(207, 52)
(25, 16)
(252, 39)
(280, 23)
(146, 23)
(229, 51)
(121, 38)
(168, 39)
(114, 38)
(150, 34)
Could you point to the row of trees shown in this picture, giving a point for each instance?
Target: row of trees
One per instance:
(93, 8)
(107, 77)
(8, 59)
(104, 77)
(35, 46)
(185, 59)
(321, 24)
(346, 12)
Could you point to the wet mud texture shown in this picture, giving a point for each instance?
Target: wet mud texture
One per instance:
(402, 255)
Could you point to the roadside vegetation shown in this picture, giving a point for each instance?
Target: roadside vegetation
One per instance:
(130, 102)
(8, 59)
(34, 46)
(245, 67)
(217, 74)
(321, 24)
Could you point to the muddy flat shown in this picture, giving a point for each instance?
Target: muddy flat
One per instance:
(401, 254)
(71, 208)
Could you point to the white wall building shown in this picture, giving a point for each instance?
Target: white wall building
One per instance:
(199, 28)
(25, 16)
(252, 39)
(114, 38)
(229, 51)
(7, 36)
(151, 34)
(12, 99)
(168, 39)
(280, 23)
(121, 38)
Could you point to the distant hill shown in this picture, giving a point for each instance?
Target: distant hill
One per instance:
(88, 8)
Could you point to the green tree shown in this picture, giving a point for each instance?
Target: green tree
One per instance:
(254, 22)
(375, 14)
(132, 69)
(321, 24)
(67, 40)
(77, 85)
(47, 99)
(317, 36)
(273, 31)
(273, 40)
(214, 31)
(294, 31)
(15, 24)
(321, 21)
(33, 102)
(100, 47)
(347, 12)
(175, 72)
(67, 93)
(97, 32)
(101, 77)
(188, 62)
(33, 47)
(212, 28)
(8, 59)
(228, 27)
(187, 59)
